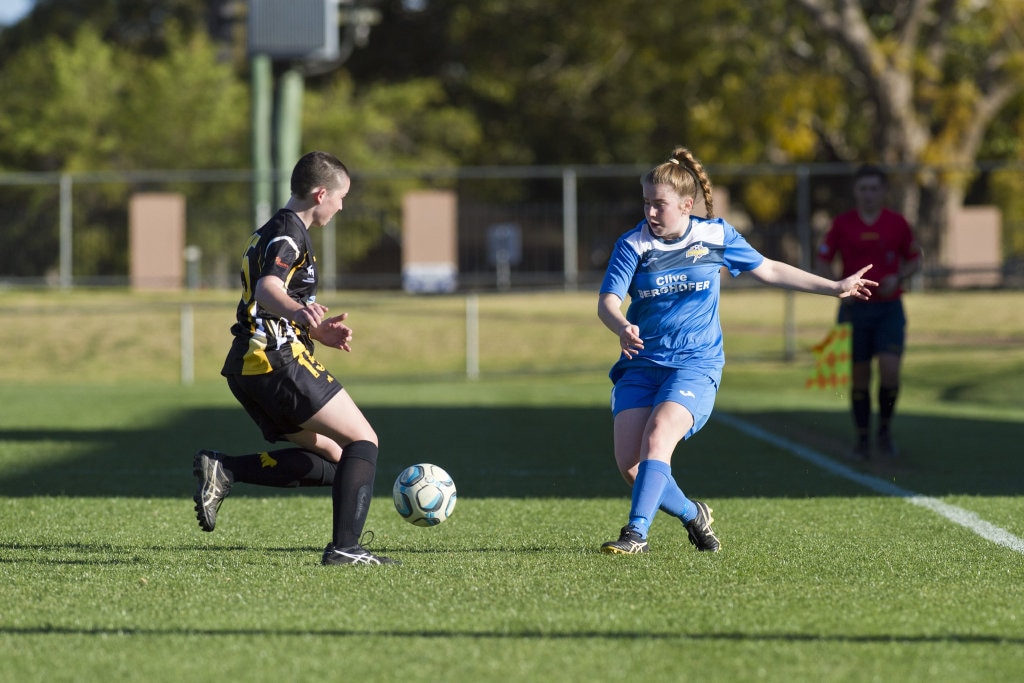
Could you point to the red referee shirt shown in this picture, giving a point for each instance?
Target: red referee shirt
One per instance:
(885, 244)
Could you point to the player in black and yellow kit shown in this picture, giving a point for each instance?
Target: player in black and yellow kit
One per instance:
(271, 370)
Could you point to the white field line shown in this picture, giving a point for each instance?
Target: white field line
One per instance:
(964, 518)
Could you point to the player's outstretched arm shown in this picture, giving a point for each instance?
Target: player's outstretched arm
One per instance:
(779, 274)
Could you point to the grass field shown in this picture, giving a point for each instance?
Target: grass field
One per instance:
(855, 573)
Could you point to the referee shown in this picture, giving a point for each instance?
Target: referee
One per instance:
(873, 234)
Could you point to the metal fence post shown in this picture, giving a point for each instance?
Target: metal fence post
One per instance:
(472, 337)
(803, 230)
(66, 261)
(570, 236)
(188, 366)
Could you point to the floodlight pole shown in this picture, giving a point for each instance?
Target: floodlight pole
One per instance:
(276, 141)
(310, 45)
(289, 129)
(262, 117)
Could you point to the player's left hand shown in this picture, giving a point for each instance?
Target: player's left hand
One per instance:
(857, 285)
(333, 332)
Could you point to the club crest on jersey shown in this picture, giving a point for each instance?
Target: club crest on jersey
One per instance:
(697, 252)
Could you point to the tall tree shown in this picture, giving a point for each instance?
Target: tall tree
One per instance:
(934, 75)
(136, 25)
(556, 81)
(85, 104)
(384, 128)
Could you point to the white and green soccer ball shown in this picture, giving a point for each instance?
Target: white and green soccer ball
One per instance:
(424, 494)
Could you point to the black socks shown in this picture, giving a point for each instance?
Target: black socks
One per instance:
(351, 480)
(352, 491)
(886, 407)
(861, 404)
(286, 468)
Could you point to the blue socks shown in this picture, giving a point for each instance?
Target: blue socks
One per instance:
(655, 488)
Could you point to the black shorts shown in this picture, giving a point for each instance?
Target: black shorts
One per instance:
(280, 401)
(878, 327)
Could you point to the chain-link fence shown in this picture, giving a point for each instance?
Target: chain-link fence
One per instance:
(72, 229)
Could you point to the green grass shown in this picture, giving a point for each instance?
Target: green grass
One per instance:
(104, 574)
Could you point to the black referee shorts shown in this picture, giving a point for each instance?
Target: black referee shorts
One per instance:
(280, 401)
(878, 327)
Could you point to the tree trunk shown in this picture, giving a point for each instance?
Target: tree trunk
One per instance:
(910, 128)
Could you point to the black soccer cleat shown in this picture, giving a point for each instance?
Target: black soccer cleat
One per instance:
(699, 530)
(630, 543)
(353, 554)
(212, 487)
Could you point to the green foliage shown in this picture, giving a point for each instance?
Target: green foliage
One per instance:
(1008, 192)
(389, 126)
(187, 109)
(136, 25)
(605, 83)
(85, 104)
(105, 84)
(381, 129)
(60, 103)
(108, 108)
(1005, 139)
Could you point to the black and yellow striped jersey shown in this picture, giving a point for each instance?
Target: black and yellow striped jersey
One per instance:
(264, 342)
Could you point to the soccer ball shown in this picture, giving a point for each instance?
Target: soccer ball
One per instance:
(424, 494)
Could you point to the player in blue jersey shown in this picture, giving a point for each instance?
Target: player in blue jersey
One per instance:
(670, 367)
(271, 370)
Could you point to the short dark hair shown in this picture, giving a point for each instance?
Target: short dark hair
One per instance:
(317, 169)
(870, 171)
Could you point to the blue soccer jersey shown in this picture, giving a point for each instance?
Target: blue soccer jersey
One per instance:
(674, 290)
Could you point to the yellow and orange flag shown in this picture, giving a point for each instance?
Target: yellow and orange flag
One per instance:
(832, 359)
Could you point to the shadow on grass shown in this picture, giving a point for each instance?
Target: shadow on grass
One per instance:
(535, 452)
(726, 636)
(105, 554)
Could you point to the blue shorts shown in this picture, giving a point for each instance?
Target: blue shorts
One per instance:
(645, 386)
(878, 327)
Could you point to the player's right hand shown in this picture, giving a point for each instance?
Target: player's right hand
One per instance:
(310, 315)
(630, 341)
